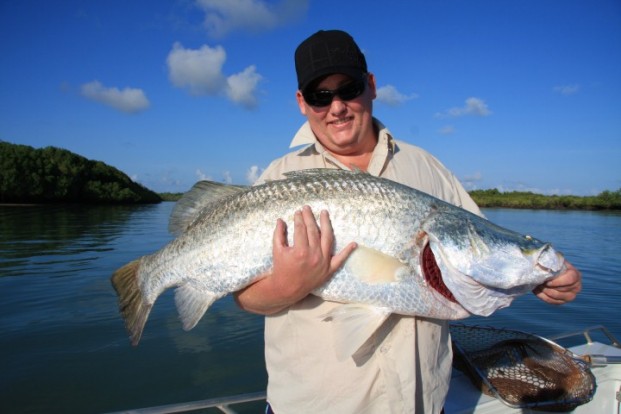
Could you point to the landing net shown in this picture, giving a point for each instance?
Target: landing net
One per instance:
(522, 370)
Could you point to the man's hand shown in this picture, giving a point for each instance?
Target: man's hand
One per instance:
(298, 269)
(309, 263)
(561, 289)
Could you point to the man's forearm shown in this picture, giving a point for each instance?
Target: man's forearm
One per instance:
(262, 298)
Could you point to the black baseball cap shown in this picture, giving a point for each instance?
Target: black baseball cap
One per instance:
(327, 52)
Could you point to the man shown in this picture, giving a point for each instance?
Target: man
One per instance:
(406, 364)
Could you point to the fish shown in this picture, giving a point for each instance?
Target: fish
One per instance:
(416, 254)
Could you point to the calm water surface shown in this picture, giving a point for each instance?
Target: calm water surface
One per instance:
(63, 347)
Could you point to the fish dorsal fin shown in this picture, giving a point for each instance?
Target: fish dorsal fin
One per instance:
(201, 195)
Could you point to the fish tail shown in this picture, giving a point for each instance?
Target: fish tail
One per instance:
(134, 309)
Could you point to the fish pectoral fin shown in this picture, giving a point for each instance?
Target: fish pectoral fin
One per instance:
(192, 304)
(373, 266)
(354, 324)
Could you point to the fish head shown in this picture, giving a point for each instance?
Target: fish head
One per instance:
(483, 265)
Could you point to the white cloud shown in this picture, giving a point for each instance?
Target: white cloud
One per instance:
(242, 86)
(227, 177)
(473, 106)
(200, 175)
(129, 100)
(447, 130)
(253, 174)
(391, 96)
(224, 16)
(567, 89)
(476, 176)
(470, 181)
(167, 179)
(199, 71)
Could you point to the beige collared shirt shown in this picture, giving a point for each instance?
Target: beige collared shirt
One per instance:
(406, 365)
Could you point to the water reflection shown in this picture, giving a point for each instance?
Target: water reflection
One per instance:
(29, 234)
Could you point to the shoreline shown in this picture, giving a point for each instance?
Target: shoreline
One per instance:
(481, 205)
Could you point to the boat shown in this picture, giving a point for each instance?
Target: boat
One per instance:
(594, 347)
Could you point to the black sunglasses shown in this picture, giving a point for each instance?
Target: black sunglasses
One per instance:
(324, 97)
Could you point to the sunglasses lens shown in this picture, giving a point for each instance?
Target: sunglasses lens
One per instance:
(320, 98)
(351, 90)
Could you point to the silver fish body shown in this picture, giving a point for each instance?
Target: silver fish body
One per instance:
(417, 255)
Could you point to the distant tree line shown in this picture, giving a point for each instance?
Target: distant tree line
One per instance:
(46, 175)
(606, 200)
(171, 196)
(29, 175)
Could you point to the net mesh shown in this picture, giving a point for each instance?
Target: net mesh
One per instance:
(522, 370)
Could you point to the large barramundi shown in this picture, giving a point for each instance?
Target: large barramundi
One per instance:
(416, 254)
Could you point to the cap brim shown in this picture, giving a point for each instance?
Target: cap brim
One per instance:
(354, 73)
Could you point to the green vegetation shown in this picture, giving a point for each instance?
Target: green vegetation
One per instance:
(170, 196)
(53, 175)
(607, 200)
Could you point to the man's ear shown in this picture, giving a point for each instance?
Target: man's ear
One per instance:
(371, 85)
(301, 102)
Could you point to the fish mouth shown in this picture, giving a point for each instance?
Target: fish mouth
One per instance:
(433, 274)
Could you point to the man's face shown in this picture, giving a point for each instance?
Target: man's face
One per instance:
(342, 127)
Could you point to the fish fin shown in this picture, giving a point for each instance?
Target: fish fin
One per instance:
(373, 266)
(192, 304)
(201, 195)
(354, 324)
(134, 309)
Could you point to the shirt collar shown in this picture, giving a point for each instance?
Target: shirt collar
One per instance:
(305, 136)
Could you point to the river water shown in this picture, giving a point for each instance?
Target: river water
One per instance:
(63, 347)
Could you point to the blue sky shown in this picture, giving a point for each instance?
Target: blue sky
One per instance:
(508, 94)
